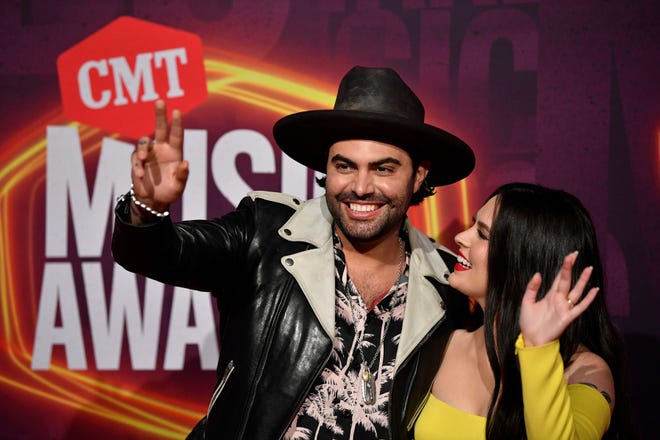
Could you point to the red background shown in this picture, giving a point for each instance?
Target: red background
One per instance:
(561, 93)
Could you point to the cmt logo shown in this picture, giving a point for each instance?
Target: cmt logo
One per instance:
(111, 79)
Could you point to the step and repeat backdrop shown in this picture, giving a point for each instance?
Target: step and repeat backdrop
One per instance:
(561, 93)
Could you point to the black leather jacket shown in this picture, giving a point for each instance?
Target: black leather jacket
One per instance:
(270, 265)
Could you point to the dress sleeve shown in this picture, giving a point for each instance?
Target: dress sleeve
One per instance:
(553, 409)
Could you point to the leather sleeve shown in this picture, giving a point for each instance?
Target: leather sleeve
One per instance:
(195, 254)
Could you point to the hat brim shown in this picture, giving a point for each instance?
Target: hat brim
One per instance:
(307, 136)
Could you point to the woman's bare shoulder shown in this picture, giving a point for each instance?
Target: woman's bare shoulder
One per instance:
(590, 369)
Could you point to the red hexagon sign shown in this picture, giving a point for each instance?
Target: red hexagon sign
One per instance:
(111, 79)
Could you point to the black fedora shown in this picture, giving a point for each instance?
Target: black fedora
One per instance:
(374, 104)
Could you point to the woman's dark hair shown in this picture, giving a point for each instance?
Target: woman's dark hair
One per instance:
(533, 229)
(423, 192)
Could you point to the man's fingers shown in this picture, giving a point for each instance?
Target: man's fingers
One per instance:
(142, 149)
(136, 166)
(182, 171)
(140, 155)
(160, 111)
(176, 130)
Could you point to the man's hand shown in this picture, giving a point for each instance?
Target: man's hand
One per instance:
(158, 172)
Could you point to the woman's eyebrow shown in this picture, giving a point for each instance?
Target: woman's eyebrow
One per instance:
(483, 225)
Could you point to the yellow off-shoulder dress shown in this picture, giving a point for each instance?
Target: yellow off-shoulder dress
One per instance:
(552, 409)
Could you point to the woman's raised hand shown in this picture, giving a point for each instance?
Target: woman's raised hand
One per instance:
(158, 172)
(545, 320)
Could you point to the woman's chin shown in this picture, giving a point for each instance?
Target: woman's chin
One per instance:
(452, 281)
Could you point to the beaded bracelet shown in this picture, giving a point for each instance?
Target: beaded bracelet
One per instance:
(145, 207)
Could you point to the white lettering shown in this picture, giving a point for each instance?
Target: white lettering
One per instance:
(170, 57)
(58, 291)
(66, 186)
(295, 179)
(202, 333)
(132, 80)
(85, 84)
(141, 77)
(223, 161)
(107, 326)
(117, 309)
(195, 151)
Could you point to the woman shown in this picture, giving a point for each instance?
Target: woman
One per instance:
(547, 362)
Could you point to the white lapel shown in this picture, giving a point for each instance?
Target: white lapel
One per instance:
(313, 269)
(424, 306)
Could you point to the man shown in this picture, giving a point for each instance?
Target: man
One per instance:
(332, 319)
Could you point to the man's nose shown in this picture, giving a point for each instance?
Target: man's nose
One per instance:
(363, 183)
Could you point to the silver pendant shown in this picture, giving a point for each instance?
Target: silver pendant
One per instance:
(368, 386)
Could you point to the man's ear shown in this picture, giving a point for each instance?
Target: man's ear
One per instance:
(420, 174)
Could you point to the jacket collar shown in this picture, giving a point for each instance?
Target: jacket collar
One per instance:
(314, 270)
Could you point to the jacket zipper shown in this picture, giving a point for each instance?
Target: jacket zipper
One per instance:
(221, 386)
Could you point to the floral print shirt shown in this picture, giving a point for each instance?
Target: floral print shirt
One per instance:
(335, 408)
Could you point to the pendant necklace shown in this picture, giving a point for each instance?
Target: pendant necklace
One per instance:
(368, 382)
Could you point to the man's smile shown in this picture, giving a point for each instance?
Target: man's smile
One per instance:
(363, 207)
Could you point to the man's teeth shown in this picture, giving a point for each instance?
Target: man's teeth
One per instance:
(362, 208)
(463, 262)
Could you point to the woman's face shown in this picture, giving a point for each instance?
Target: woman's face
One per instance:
(470, 275)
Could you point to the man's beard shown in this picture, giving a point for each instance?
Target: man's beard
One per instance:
(371, 229)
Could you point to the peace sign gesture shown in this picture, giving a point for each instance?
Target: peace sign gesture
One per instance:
(158, 172)
(545, 320)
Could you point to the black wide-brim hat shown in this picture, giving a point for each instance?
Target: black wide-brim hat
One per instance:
(374, 104)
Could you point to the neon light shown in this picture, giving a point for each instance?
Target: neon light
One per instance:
(467, 218)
